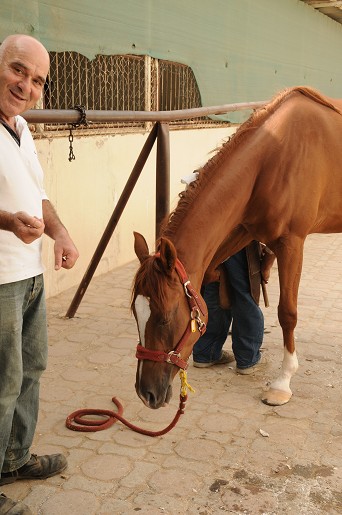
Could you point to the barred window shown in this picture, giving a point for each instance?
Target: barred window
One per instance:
(113, 82)
(177, 87)
(120, 83)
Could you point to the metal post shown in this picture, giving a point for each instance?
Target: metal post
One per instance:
(162, 175)
(113, 221)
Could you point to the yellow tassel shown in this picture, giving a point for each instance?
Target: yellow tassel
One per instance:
(184, 383)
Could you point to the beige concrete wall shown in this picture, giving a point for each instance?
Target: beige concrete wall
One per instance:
(86, 191)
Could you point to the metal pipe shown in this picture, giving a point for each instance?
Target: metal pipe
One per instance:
(74, 116)
(162, 175)
(126, 193)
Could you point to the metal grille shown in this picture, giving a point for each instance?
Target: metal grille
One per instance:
(113, 83)
(177, 87)
(120, 83)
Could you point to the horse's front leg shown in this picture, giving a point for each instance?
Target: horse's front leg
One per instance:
(290, 259)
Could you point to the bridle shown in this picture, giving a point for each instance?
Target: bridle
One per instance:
(197, 309)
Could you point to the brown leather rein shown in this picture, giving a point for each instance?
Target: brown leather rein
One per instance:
(197, 308)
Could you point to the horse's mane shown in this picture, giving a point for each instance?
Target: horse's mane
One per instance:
(151, 281)
(256, 119)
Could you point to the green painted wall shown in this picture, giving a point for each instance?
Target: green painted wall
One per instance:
(240, 50)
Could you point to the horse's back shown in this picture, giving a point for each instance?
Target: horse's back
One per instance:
(302, 168)
(322, 155)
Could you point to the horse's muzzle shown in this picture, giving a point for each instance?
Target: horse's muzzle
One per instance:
(154, 393)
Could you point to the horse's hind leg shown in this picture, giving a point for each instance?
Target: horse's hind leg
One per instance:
(289, 254)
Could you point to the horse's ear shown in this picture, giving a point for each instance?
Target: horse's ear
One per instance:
(140, 247)
(168, 254)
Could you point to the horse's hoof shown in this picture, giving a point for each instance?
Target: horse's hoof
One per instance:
(276, 397)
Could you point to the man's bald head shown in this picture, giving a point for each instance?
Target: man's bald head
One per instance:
(22, 42)
(24, 65)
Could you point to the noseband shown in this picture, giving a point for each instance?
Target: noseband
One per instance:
(197, 308)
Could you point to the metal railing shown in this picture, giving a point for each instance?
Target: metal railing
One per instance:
(73, 116)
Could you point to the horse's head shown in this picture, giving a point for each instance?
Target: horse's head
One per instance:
(170, 316)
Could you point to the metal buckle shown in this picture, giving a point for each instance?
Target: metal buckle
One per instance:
(172, 353)
(196, 315)
(186, 289)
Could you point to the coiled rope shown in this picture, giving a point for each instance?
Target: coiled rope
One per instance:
(76, 421)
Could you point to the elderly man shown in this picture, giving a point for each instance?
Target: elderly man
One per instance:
(25, 214)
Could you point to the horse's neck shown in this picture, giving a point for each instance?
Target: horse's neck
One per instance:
(211, 217)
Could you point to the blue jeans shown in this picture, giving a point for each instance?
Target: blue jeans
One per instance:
(245, 316)
(23, 358)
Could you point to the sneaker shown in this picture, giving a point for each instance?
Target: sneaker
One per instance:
(10, 507)
(250, 370)
(38, 467)
(226, 357)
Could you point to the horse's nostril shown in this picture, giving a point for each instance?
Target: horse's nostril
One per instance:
(153, 402)
(155, 396)
(150, 399)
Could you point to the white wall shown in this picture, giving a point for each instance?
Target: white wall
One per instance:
(86, 191)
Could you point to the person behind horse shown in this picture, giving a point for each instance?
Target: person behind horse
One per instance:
(243, 272)
(25, 214)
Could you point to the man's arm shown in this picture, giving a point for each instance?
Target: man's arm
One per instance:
(25, 227)
(66, 253)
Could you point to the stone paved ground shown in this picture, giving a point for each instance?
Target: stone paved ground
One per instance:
(216, 459)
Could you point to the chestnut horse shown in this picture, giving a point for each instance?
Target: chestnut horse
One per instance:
(278, 179)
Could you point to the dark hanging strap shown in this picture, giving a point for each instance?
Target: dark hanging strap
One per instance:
(82, 121)
(11, 131)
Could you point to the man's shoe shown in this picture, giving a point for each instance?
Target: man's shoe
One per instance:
(10, 507)
(38, 467)
(250, 370)
(226, 357)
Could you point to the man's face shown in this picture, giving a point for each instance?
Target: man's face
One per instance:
(23, 70)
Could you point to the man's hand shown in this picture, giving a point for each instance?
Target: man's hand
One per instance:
(66, 254)
(27, 228)
(267, 261)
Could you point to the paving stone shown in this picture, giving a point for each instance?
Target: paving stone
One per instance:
(106, 467)
(71, 501)
(139, 475)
